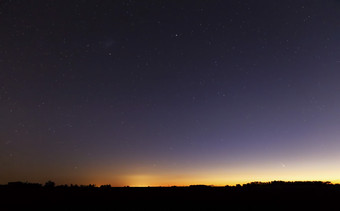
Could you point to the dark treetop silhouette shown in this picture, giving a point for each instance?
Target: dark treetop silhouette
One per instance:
(255, 194)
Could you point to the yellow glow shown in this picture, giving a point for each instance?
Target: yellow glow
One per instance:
(297, 169)
(141, 180)
(222, 178)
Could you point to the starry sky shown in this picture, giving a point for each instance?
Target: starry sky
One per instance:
(164, 93)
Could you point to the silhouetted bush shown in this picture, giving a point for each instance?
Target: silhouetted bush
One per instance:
(49, 184)
(199, 186)
(24, 185)
(105, 186)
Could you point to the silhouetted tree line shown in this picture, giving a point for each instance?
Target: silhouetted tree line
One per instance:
(289, 183)
(316, 194)
(51, 184)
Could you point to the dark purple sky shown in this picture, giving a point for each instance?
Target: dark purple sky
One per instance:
(169, 92)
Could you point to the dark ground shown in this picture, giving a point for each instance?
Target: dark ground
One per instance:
(272, 196)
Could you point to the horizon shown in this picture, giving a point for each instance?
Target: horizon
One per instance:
(152, 93)
(170, 186)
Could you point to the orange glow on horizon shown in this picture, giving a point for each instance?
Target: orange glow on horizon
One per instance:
(157, 181)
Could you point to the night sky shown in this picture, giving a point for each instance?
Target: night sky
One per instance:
(164, 93)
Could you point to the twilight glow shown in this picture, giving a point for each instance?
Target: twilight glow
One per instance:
(162, 93)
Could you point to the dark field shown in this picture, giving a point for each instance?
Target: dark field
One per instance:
(273, 195)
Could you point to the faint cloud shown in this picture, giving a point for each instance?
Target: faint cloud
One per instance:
(109, 43)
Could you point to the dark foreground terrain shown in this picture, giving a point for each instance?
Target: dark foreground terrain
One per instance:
(272, 195)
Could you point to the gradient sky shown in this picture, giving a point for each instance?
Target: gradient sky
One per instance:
(169, 92)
